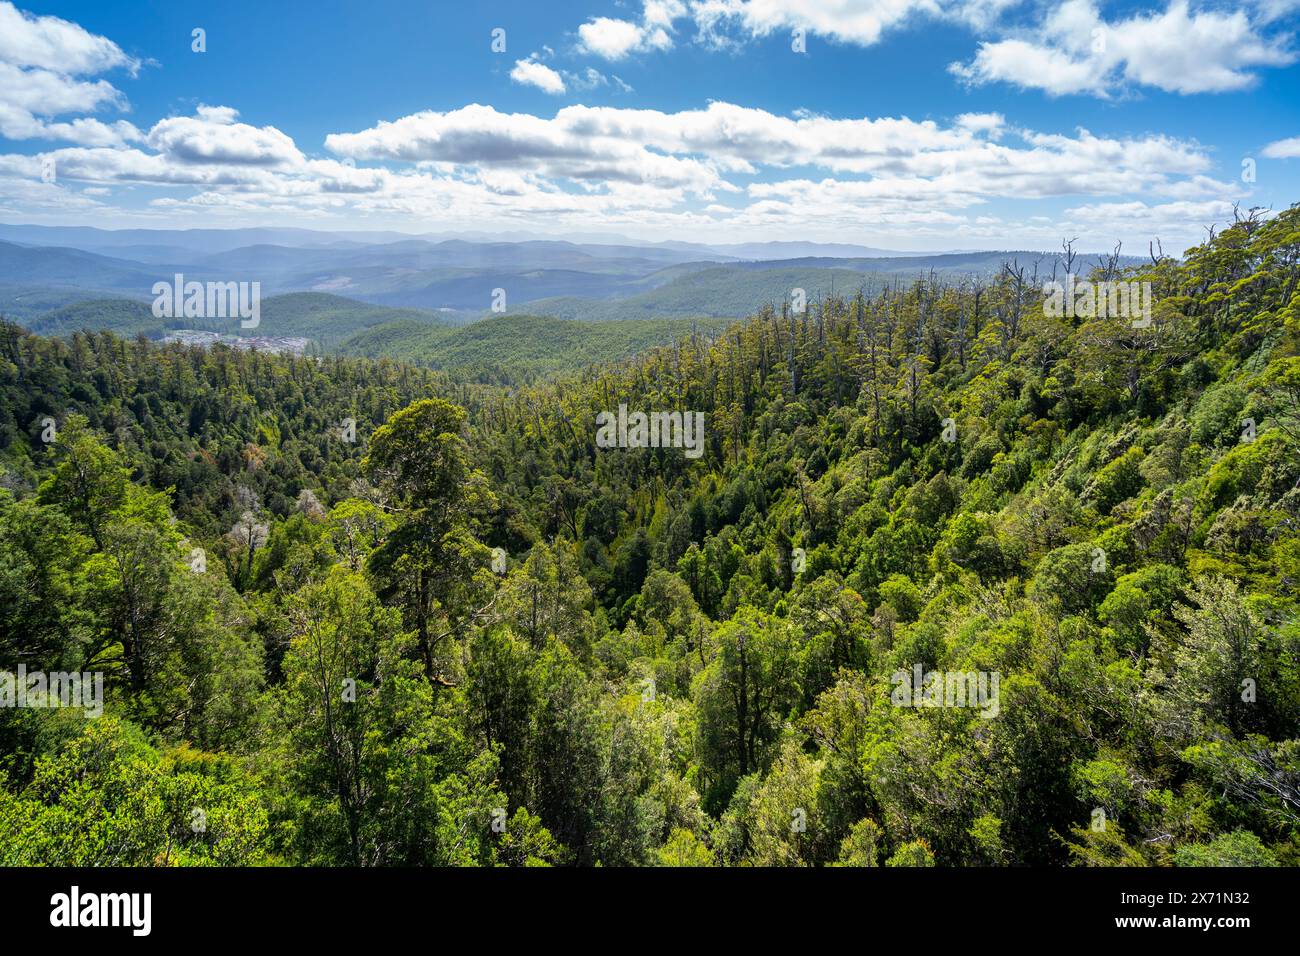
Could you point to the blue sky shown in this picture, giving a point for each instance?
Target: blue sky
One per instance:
(933, 125)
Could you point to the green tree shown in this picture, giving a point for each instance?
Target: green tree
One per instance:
(420, 461)
(743, 696)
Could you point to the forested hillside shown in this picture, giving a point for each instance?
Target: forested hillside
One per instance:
(285, 570)
(514, 348)
(325, 319)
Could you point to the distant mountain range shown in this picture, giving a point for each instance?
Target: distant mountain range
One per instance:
(330, 287)
(151, 244)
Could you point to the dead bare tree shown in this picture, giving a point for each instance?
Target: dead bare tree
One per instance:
(1109, 263)
(1068, 254)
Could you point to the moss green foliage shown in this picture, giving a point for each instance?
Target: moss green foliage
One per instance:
(684, 662)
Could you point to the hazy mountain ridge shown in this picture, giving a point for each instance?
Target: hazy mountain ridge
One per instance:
(208, 241)
(330, 287)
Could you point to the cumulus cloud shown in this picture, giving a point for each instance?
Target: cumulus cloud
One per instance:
(614, 39)
(209, 149)
(116, 166)
(20, 193)
(991, 124)
(212, 136)
(530, 72)
(17, 123)
(727, 22)
(1283, 149)
(1060, 49)
(610, 38)
(861, 22)
(43, 62)
(1177, 50)
(647, 169)
(56, 45)
(482, 136)
(720, 167)
(875, 166)
(1156, 219)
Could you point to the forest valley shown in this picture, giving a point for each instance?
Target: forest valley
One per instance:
(309, 660)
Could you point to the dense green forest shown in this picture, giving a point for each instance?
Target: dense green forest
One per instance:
(286, 570)
(737, 289)
(505, 349)
(521, 348)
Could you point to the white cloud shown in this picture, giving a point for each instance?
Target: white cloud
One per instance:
(1271, 10)
(861, 22)
(979, 14)
(615, 39)
(1061, 49)
(41, 62)
(106, 165)
(1283, 149)
(17, 123)
(651, 170)
(591, 79)
(532, 73)
(213, 136)
(209, 149)
(1155, 220)
(43, 93)
(886, 169)
(991, 124)
(56, 45)
(481, 136)
(20, 194)
(723, 167)
(612, 39)
(1179, 51)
